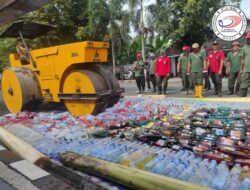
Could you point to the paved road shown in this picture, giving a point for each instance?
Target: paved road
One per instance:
(130, 90)
(173, 90)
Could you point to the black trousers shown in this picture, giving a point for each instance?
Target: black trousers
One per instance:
(153, 80)
(217, 81)
(148, 80)
(207, 81)
(186, 80)
(140, 82)
(162, 81)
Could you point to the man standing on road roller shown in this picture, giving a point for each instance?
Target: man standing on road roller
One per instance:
(22, 52)
(216, 59)
(196, 67)
(151, 64)
(245, 68)
(162, 70)
(182, 68)
(233, 68)
(139, 67)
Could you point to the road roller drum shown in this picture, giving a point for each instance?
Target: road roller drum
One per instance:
(20, 89)
(81, 90)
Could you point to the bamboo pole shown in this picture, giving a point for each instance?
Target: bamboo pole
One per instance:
(127, 176)
(23, 149)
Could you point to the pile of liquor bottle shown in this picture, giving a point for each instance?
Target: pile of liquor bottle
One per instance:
(220, 134)
(223, 133)
(179, 164)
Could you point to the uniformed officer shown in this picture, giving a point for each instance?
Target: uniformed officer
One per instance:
(182, 67)
(215, 60)
(196, 67)
(245, 68)
(207, 85)
(233, 68)
(151, 65)
(162, 70)
(147, 72)
(139, 67)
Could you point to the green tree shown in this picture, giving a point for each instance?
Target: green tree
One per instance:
(185, 21)
(118, 26)
(137, 8)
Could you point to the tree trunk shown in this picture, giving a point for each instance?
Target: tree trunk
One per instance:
(142, 33)
(113, 55)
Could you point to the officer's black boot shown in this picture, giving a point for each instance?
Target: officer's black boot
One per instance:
(143, 89)
(237, 90)
(159, 90)
(154, 89)
(208, 85)
(242, 92)
(165, 90)
(231, 91)
(216, 90)
(220, 92)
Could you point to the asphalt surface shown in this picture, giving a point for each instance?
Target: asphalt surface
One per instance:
(173, 90)
(174, 86)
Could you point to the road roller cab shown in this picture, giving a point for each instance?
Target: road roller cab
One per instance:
(71, 73)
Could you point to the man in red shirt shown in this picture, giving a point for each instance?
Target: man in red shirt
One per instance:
(162, 71)
(215, 59)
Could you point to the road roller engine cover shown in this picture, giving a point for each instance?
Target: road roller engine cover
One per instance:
(72, 73)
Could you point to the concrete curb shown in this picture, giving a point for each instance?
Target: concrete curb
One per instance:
(126, 81)
(27, 176)
(238, 99)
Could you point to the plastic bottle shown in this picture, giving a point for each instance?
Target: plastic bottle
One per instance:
(171, 166)
(159, 157)
(199, 173)
(221, 178)
(177, 170)
(159, 167)
(134, 156)
(142, 163)
(188, 173)
(234, 179)
(245, 184)
(209, 177)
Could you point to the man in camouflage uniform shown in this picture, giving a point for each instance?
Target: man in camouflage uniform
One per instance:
(151, 66)
(245, 68)
(233, 67)
(139, 67)
(182, 67)
(196, 67)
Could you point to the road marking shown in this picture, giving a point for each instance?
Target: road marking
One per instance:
(2, 148)
(29, 170)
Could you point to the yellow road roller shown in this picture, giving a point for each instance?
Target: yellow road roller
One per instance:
(72, 74)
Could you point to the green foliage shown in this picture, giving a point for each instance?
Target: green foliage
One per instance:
(6, 46)
(184, 21)
(168, 23)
